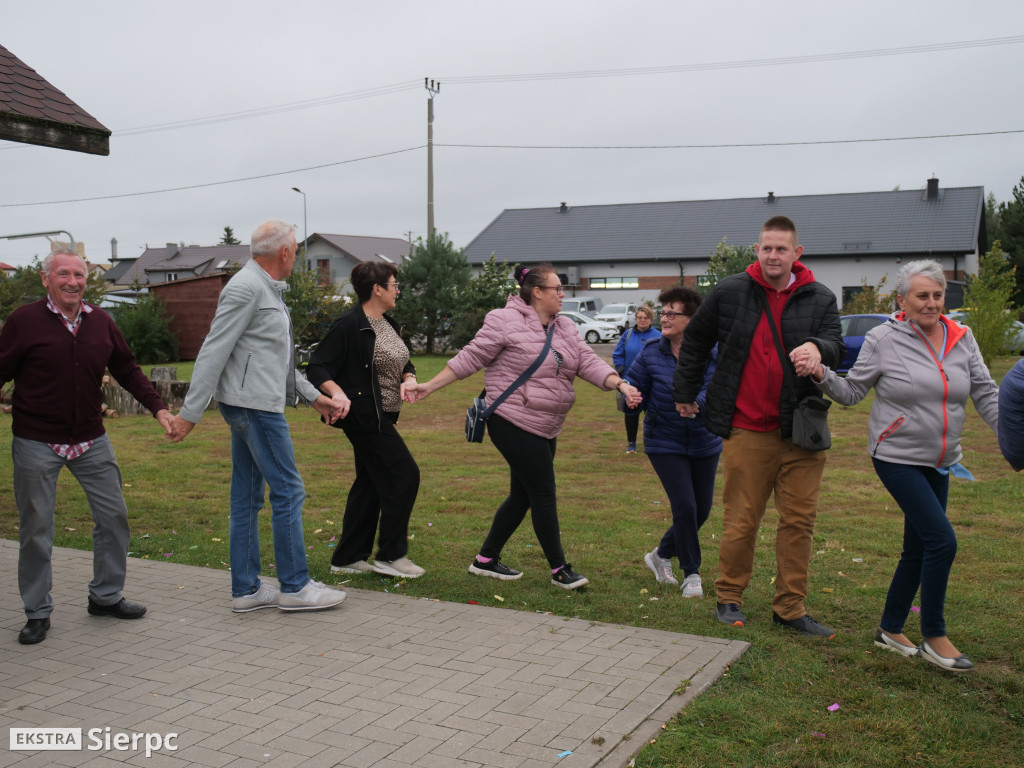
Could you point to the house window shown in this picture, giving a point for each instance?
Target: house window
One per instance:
(172, 276)
(323, 268)
(609, 283)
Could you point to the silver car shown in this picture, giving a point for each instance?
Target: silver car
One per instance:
(591, 330)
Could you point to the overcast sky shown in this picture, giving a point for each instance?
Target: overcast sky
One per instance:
(139, 65)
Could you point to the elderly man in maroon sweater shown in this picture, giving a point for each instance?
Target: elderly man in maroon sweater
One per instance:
(57, 350)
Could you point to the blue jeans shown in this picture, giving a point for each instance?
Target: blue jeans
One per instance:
(929, 546)
(690, 486)
(262, 455)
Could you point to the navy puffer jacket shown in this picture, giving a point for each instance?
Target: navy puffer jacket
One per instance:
(665, 431)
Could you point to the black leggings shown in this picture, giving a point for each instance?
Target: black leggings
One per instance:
(531, 461)
(632, 419)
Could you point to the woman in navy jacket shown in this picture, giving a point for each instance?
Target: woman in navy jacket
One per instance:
(682, 451)
(629, 346)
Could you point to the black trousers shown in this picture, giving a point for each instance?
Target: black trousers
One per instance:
(531, 462)
(387, 482)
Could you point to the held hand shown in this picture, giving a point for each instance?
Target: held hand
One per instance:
(166, 421)
(413, 392)
(179, 429)
(632, 396)
(342, 404)
(687, 410)
(806, 358)
(328, 408)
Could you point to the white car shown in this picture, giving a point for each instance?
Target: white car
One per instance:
(622, 315)
(591, 330)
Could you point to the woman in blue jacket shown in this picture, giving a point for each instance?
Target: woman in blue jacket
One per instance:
(682, 452)
(629, 346)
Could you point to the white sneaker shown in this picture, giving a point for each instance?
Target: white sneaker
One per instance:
(692, 586)
(264, 597)
(312, 597)
(359, 566)
(662, 568)
(403, 567)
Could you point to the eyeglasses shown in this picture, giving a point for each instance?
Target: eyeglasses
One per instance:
(385, 286)
(556, 288)
(673, 315)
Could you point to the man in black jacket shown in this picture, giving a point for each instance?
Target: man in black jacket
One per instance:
(750, 404)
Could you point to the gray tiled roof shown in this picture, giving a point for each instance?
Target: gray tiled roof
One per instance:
(367, 248)
(194, 256)
(865, 223)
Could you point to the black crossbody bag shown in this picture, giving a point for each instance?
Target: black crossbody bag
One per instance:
(477, 414)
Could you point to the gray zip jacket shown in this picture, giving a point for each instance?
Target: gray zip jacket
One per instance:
(248, 353)
(918, 414)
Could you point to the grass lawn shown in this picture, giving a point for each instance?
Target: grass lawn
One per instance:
(772, 708)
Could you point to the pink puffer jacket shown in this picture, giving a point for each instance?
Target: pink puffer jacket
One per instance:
(506, 345)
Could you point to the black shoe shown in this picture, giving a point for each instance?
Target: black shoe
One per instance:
(122, 609)
(34, 631)
(730, 613)
(495, 569)
(805, 625)
(566, 578)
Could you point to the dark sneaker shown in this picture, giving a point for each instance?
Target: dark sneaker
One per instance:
(730, 613)
(805, 625)
(566, 578)
(495, 569)
(631, 448)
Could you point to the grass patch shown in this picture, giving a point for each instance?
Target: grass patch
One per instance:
(771, 709)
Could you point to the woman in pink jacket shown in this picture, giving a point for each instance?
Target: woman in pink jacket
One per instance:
(525, 426)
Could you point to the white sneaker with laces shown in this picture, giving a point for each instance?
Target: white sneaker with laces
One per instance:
(403, 567)
(312, 597)
(662, 568)
(264, 597)
(359, 566)
(692, 586)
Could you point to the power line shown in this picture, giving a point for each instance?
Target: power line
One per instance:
(731, 146)
(737, 64)
(212, 183)
(518, 146)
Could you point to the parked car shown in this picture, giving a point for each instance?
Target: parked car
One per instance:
(585, 305)
(622, 315)
(590, 329)
(854, 329)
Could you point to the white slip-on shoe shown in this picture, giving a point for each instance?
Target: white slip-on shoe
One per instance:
(264, 597)
(312, 597)
(960, 664)
(359, 566)
(882, 640)
(402, 568)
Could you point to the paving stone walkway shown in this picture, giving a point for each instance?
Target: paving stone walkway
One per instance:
(383, 680)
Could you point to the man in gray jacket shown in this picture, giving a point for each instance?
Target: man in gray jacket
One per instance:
(247, 363)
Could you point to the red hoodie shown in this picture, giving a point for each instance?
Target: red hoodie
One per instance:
(760, 391)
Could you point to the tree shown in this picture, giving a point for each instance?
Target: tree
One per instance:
(726, 260)
(229, 238)
(488, 290)
(431, 279)
(312, 304)
(1005, 223)
(870, 300)
(988, 298)
(145, 325)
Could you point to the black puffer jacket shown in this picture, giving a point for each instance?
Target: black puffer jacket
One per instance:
(729, 317)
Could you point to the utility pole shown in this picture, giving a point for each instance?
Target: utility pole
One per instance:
(433, 89)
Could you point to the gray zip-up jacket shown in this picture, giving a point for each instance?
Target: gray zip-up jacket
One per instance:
(918, 414)
(246, 357)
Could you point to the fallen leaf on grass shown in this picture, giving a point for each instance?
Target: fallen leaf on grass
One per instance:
(499, 598)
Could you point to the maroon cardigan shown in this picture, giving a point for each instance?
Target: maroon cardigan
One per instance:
(58, 376)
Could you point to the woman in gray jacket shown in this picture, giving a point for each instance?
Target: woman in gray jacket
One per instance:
(923, 367)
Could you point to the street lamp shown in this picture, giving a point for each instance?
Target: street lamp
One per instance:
(305, 228)
(43, 234)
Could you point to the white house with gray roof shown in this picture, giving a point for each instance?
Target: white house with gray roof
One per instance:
(629, 252)
(335, 255)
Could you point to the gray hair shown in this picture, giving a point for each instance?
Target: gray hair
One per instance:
(270, 237)
(47, 266)
(925, 268)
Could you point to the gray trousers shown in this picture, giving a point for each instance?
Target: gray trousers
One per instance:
(36, 467)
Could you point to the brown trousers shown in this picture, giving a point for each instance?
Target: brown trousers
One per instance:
(756, 464)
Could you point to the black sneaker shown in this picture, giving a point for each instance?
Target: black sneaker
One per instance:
(495, 569)
(566, 578)
(730, 613)
(805, 625)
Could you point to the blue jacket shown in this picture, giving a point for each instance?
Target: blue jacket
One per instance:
(629, 346)
(665, 431)
(1011, 416)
